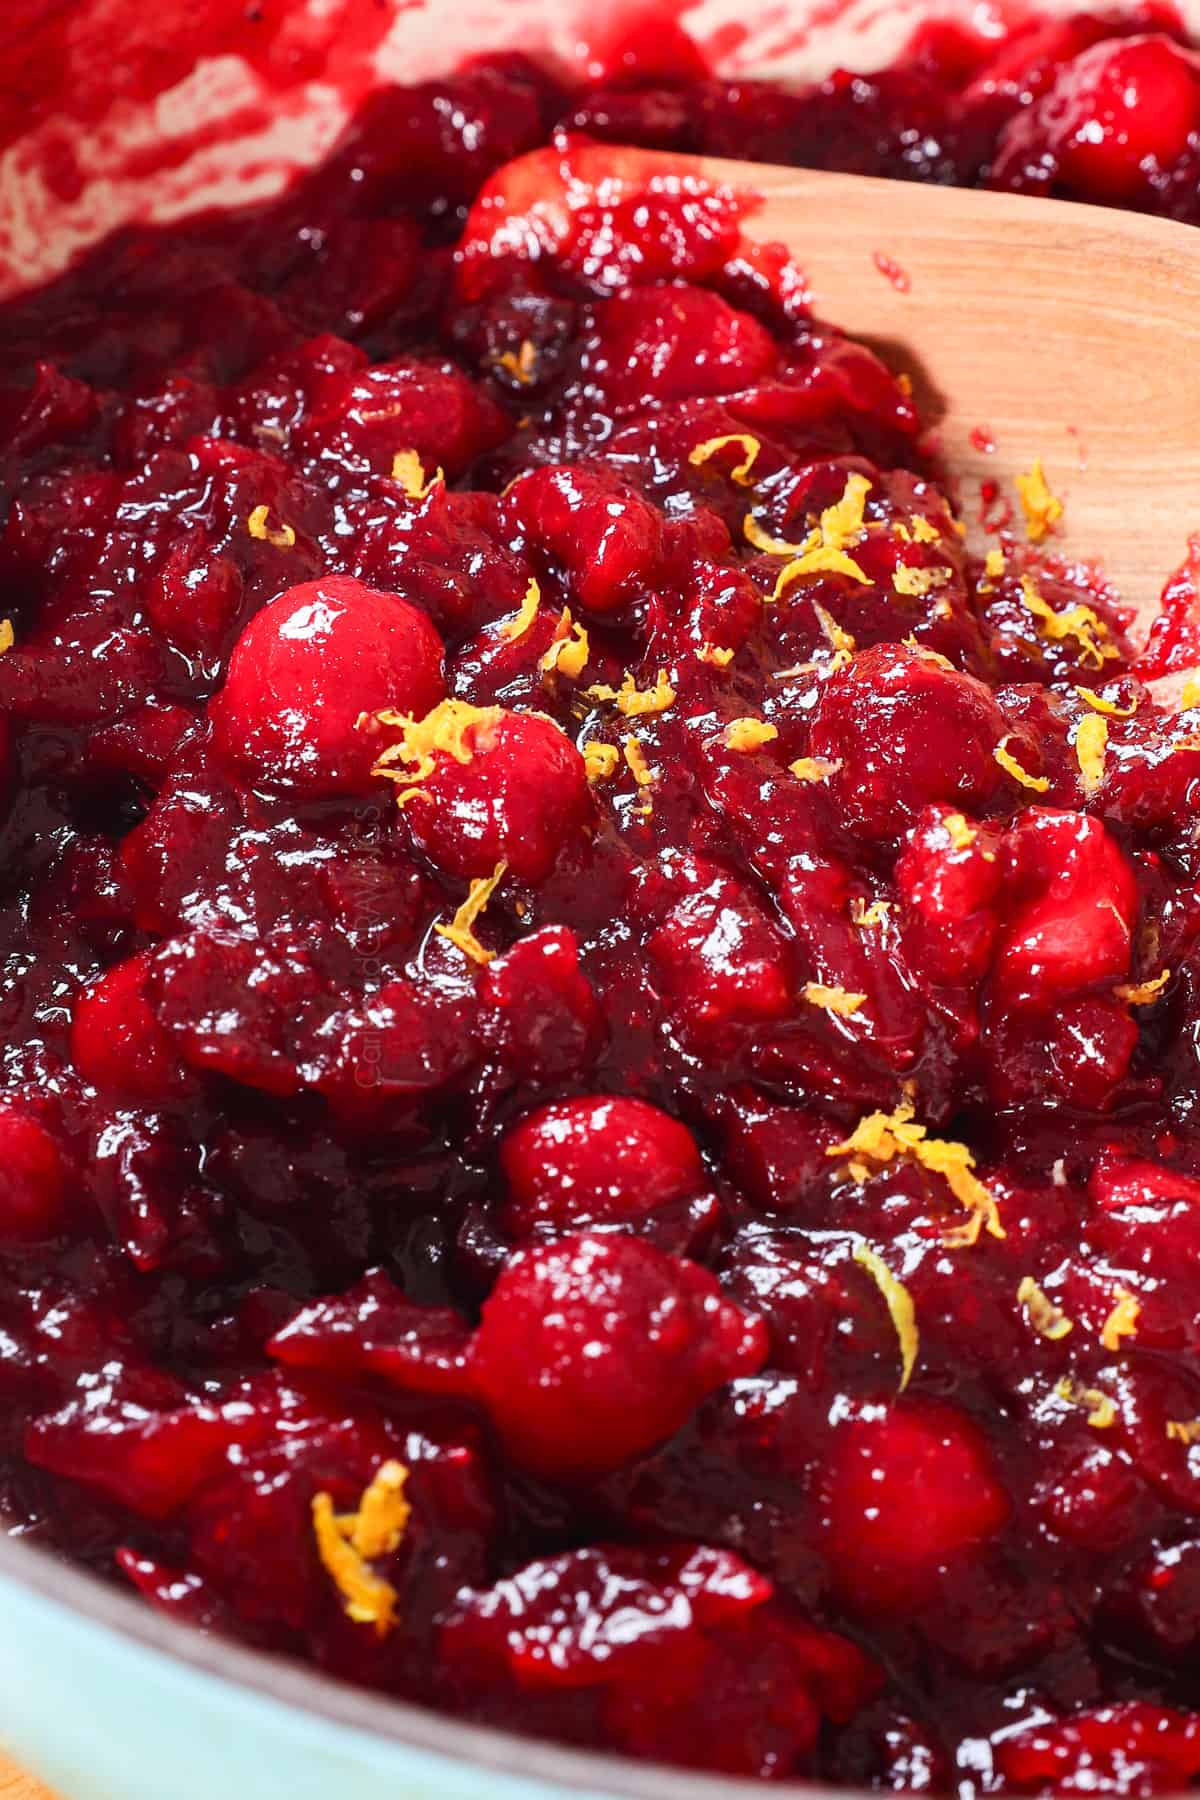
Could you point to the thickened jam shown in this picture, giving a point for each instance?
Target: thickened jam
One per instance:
(601, 1023)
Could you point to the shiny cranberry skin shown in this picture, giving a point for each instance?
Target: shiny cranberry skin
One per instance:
(601, 1159)
(305, 672)
(520, 795)
(33, 1178)
(117, 1043)
(905, 732)
(591, 1350)
(910, 1487)
(1118, 111)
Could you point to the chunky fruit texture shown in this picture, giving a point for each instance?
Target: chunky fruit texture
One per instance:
(601, 1121)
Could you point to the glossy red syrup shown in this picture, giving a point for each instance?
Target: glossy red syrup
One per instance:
(729, 1292)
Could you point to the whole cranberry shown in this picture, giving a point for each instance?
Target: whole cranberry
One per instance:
(591, 1350)
(305, 671)
(514, 790)
(1119, 109)
(603, 1159)
(909, 1486)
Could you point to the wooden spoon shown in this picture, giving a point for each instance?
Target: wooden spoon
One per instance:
(1031, 329)
(1043, 328)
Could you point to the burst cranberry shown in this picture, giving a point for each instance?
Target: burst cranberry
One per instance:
(118, 1045)
(539, 1014)
(672, 343)
(195, 598)
(591, 1350)
(307, 670)
(636, 1628)
(361, 421)
(247, 1010)
(1074, 929)
(721, 959)
(903, 731)
(596, 533)
(950, 877)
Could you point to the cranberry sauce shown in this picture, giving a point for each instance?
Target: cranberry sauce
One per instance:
(601, 1122)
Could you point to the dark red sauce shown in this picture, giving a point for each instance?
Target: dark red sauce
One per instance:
(749, 1261)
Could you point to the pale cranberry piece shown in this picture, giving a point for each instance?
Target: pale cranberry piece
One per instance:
(307, 669)
(604, 1159)
(592, 1350)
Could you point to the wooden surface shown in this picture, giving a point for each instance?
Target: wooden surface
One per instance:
(16, 1786)
(1065, 332)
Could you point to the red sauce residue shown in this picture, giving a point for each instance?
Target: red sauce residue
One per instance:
(1080, 446)
(1174, 641)
(982, 440)
(891, 270)
(995, 509)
